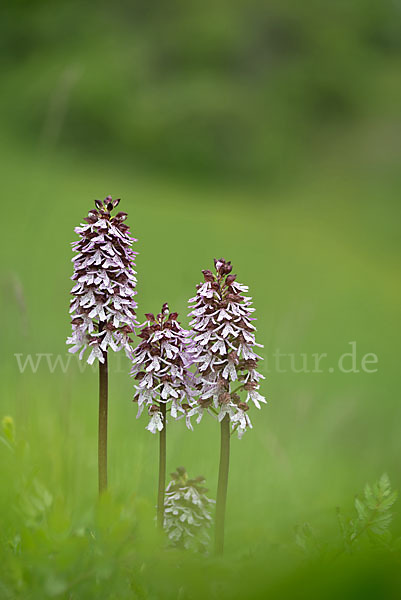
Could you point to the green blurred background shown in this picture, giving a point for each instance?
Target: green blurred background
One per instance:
(267, 133)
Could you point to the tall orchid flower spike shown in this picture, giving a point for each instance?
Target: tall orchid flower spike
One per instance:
(224, 352)
(163, 381)
(102, 305)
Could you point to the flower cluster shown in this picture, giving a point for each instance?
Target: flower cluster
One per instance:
(160, 367)
(223, 349)
(187, 512)
(102, 307)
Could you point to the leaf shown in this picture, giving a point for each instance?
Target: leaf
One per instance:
(380, 523)
(374, 516)
(388, 502)
(369, 497)
(361, 509)
(8, 427)
(384, 484)
(3, 441)
(306, 540)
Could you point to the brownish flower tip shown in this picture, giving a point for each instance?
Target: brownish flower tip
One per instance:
(223, 384)
(165, 309)
(235, 398)
(234, 298)
(230, 279)
(233, 356)
(251, 385)
(150, 316)
(243, 406)
(121, 216)
(173, 316)
(154, 408)
(227, 268)
(135, 398)
(185, 406)
(205, 402)
(91, 218)
(208, 275)
(77, 321)
(224, 398)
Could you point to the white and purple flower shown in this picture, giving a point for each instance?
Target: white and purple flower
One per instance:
(224, 348)
(161, 369)
(187, 511)
(103, 306)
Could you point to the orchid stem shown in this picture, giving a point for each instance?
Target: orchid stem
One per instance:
(162, 468)
(102, 434)
(222, 484)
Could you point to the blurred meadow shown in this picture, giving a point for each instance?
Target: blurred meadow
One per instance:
(266, 133)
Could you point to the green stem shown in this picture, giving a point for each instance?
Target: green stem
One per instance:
(162, 468)
(102, 435)
(222, 484)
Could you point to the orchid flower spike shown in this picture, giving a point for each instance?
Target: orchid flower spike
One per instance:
(224, 348)
(161, 369)
(102, 306)
(187, 511)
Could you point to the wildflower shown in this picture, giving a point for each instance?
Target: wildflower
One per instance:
(160, 368)
(156, 422)
(224, 351)
(224, 347)
(187, 512)
(102, 307)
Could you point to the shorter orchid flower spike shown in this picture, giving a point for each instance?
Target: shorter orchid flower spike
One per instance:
(187, 515)
(161, 369)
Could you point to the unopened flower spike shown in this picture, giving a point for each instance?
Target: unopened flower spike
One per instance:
(187, 517)
(163, 381)
(223, 349)
(102, 305)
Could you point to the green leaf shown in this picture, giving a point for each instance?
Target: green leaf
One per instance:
(380, 523)
(8, 427)
(361, 509)
(387, 502)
